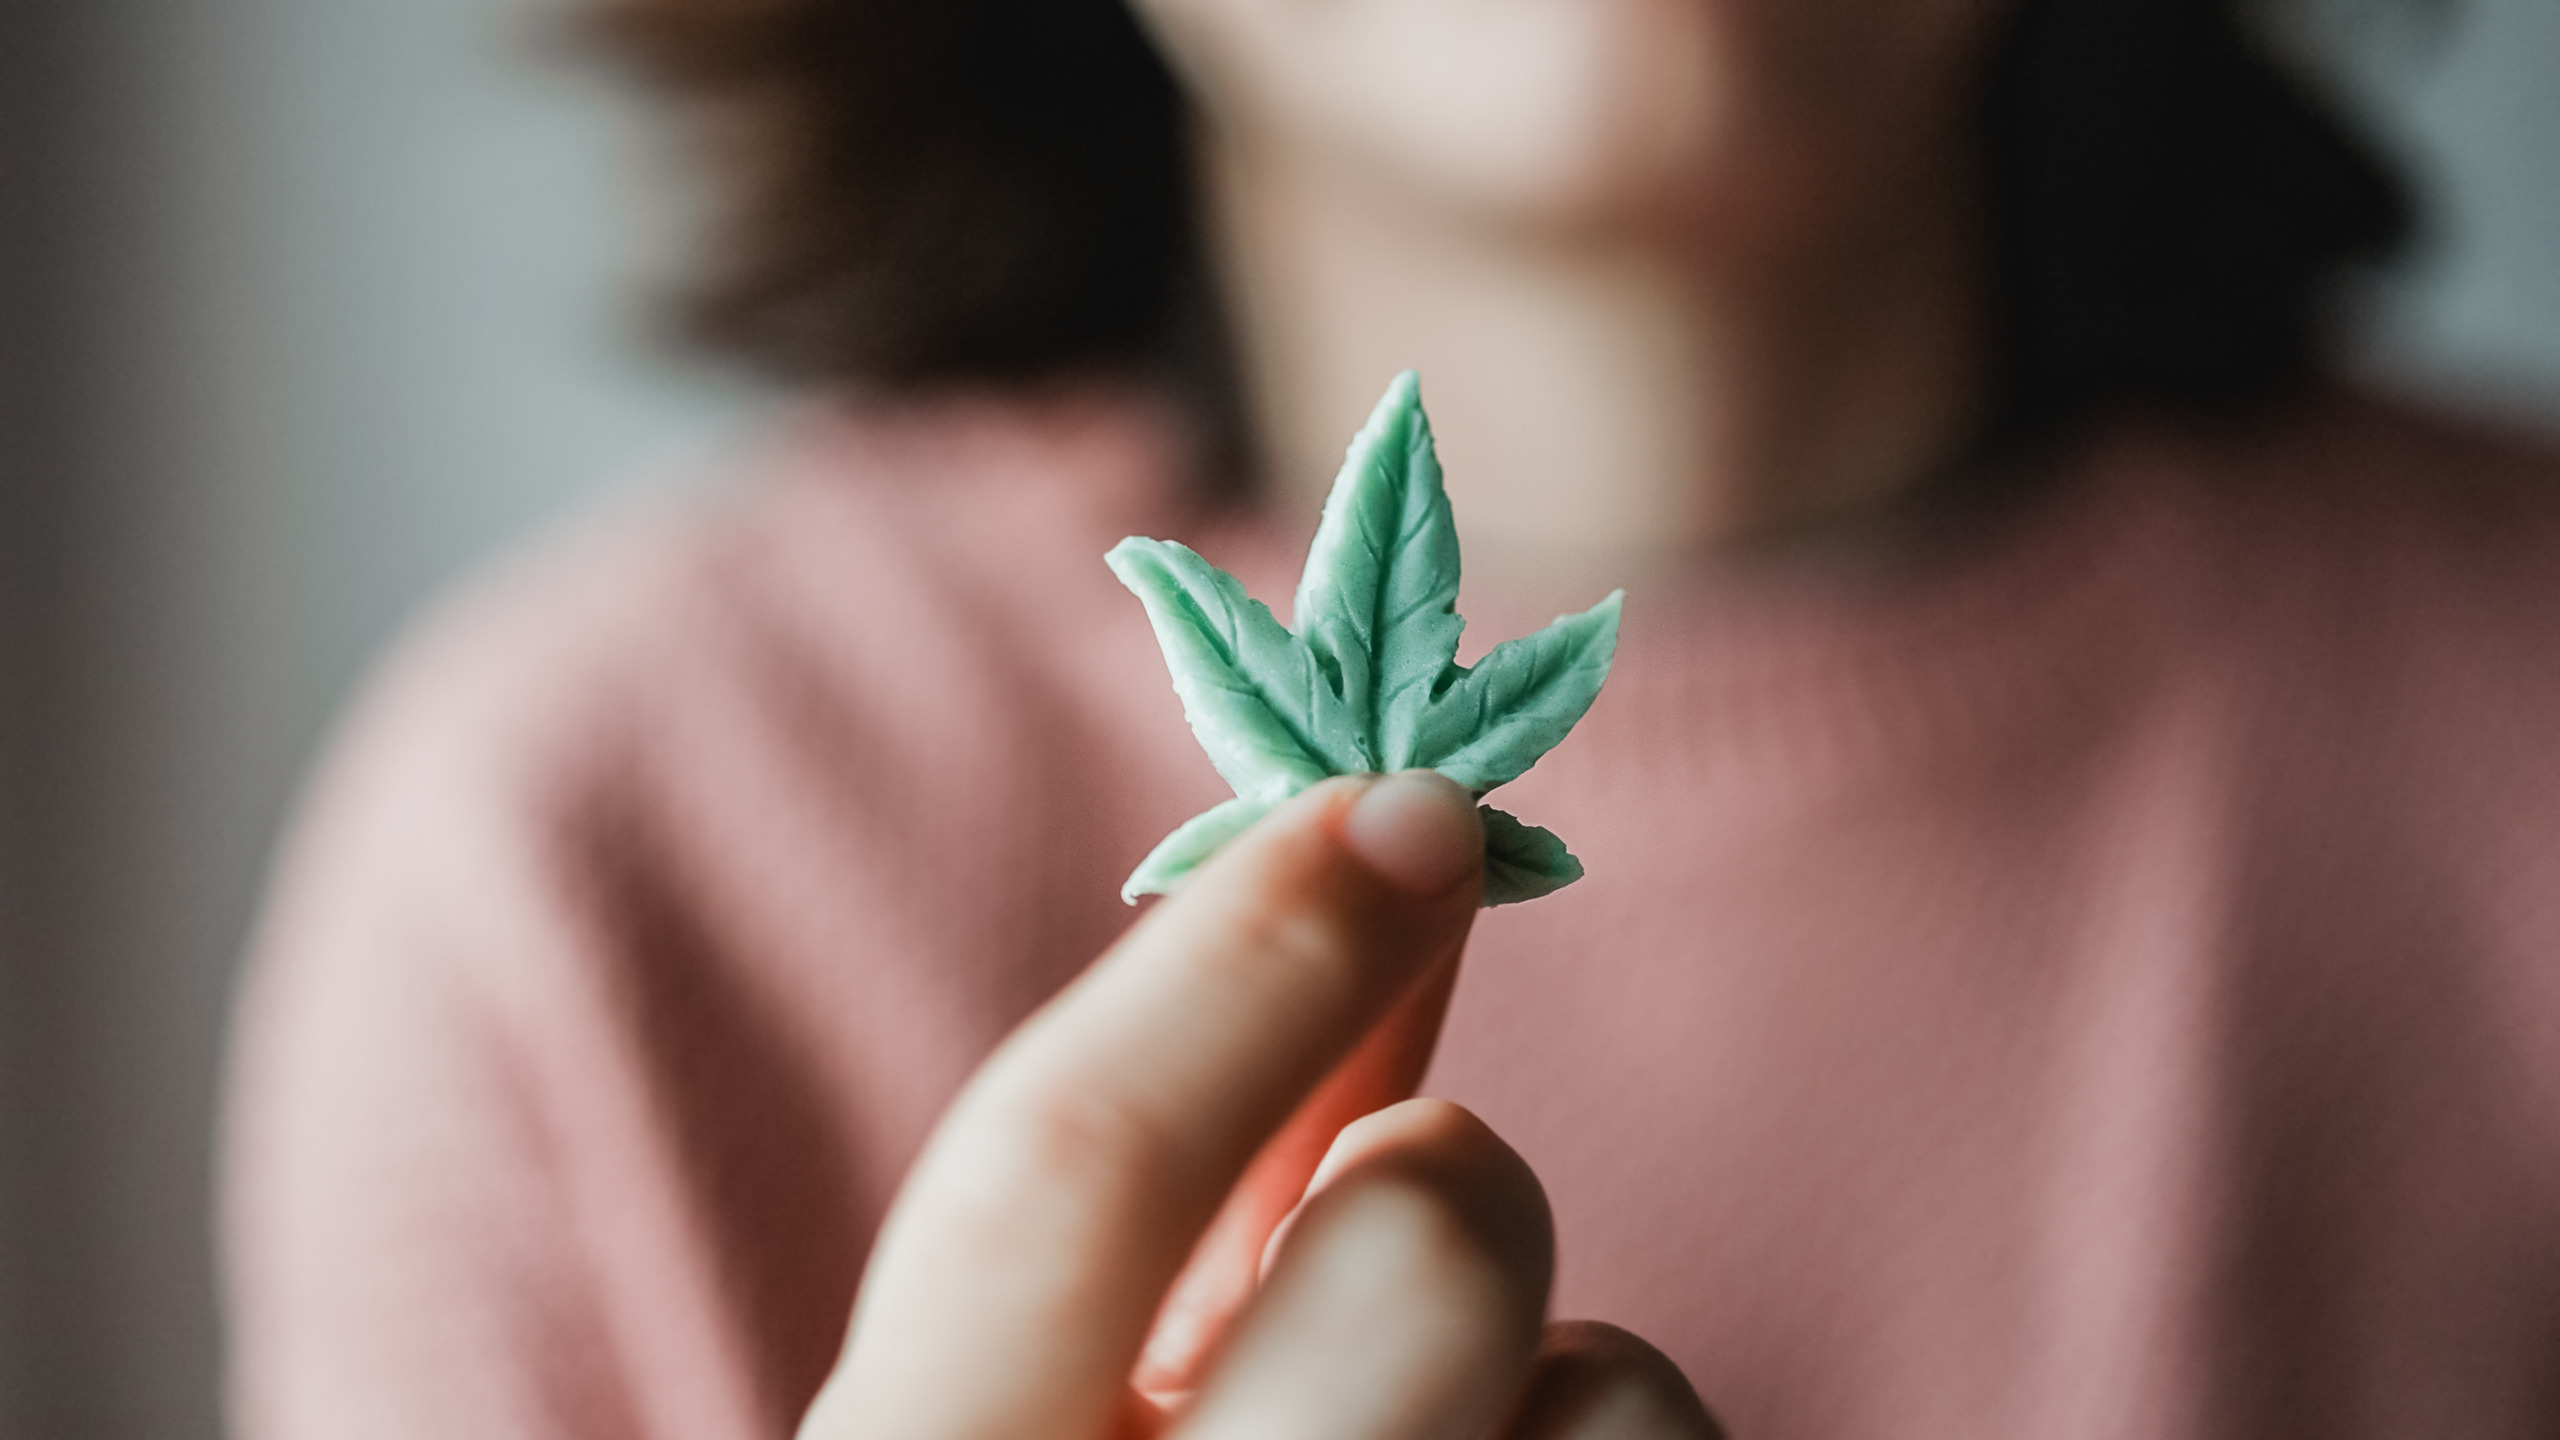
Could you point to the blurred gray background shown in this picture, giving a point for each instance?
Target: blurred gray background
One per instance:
(305, 305)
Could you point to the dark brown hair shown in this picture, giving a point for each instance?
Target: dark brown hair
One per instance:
(914, 191)
(925, 191)
(2173, 208)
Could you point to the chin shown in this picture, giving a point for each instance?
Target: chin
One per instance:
(1543, 111)
(1560, 110)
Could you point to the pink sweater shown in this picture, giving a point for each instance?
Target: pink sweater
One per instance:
(2102, 979)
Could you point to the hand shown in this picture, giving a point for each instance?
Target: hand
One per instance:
(1079, 1254)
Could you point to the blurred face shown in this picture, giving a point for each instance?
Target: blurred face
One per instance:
(1756, 116)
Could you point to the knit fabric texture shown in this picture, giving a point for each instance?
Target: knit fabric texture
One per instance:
(2096, 973)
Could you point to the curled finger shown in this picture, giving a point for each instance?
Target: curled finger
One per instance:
(1405, 1298)
(1597, 1382)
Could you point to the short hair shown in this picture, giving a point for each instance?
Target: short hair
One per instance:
(920, 192)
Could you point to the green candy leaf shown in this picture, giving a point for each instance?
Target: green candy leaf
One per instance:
(1370, 679)
(1520, 699)
(1199, 837)
(1270, 720)
(1378, 601)
(1521, 862)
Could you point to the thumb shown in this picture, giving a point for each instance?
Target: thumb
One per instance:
(1419, 829)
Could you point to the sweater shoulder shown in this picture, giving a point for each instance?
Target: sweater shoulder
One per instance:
(646, 866)
(879, 568)
(2389, 578)
(2413, 506)
(2357, 540)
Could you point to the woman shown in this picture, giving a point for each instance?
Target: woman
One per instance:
(2071, 835)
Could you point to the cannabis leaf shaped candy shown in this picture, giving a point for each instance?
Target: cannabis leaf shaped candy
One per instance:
(1369, 681)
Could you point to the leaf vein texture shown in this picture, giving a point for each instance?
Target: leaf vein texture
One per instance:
(1369, 679)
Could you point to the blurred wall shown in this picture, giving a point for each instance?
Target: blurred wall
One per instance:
(306, 303)
(323, 298)
(18, 119)
(2468, 92)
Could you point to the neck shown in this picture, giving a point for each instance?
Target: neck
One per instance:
(1685, 399)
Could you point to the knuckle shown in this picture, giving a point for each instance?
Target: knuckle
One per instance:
(1270, 928)
(1597, 1382)
(1092, 1146)
(1424, 1120)
(1074, 1136)
(1432, 1132)
(1484, 1182)
(1419, 1214)
(1418, 1240)
(1289, 958)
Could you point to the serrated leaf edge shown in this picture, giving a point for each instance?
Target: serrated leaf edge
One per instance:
(1516, 869)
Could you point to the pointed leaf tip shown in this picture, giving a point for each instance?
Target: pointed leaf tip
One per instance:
(1377, 602)
(1190, 846)
(1369, 680)
(1522, 861)
(1521, 699)
(1250, 689)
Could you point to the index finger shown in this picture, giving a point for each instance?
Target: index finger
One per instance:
(1016, 1275)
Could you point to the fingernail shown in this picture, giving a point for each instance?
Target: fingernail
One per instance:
(1418, 829)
